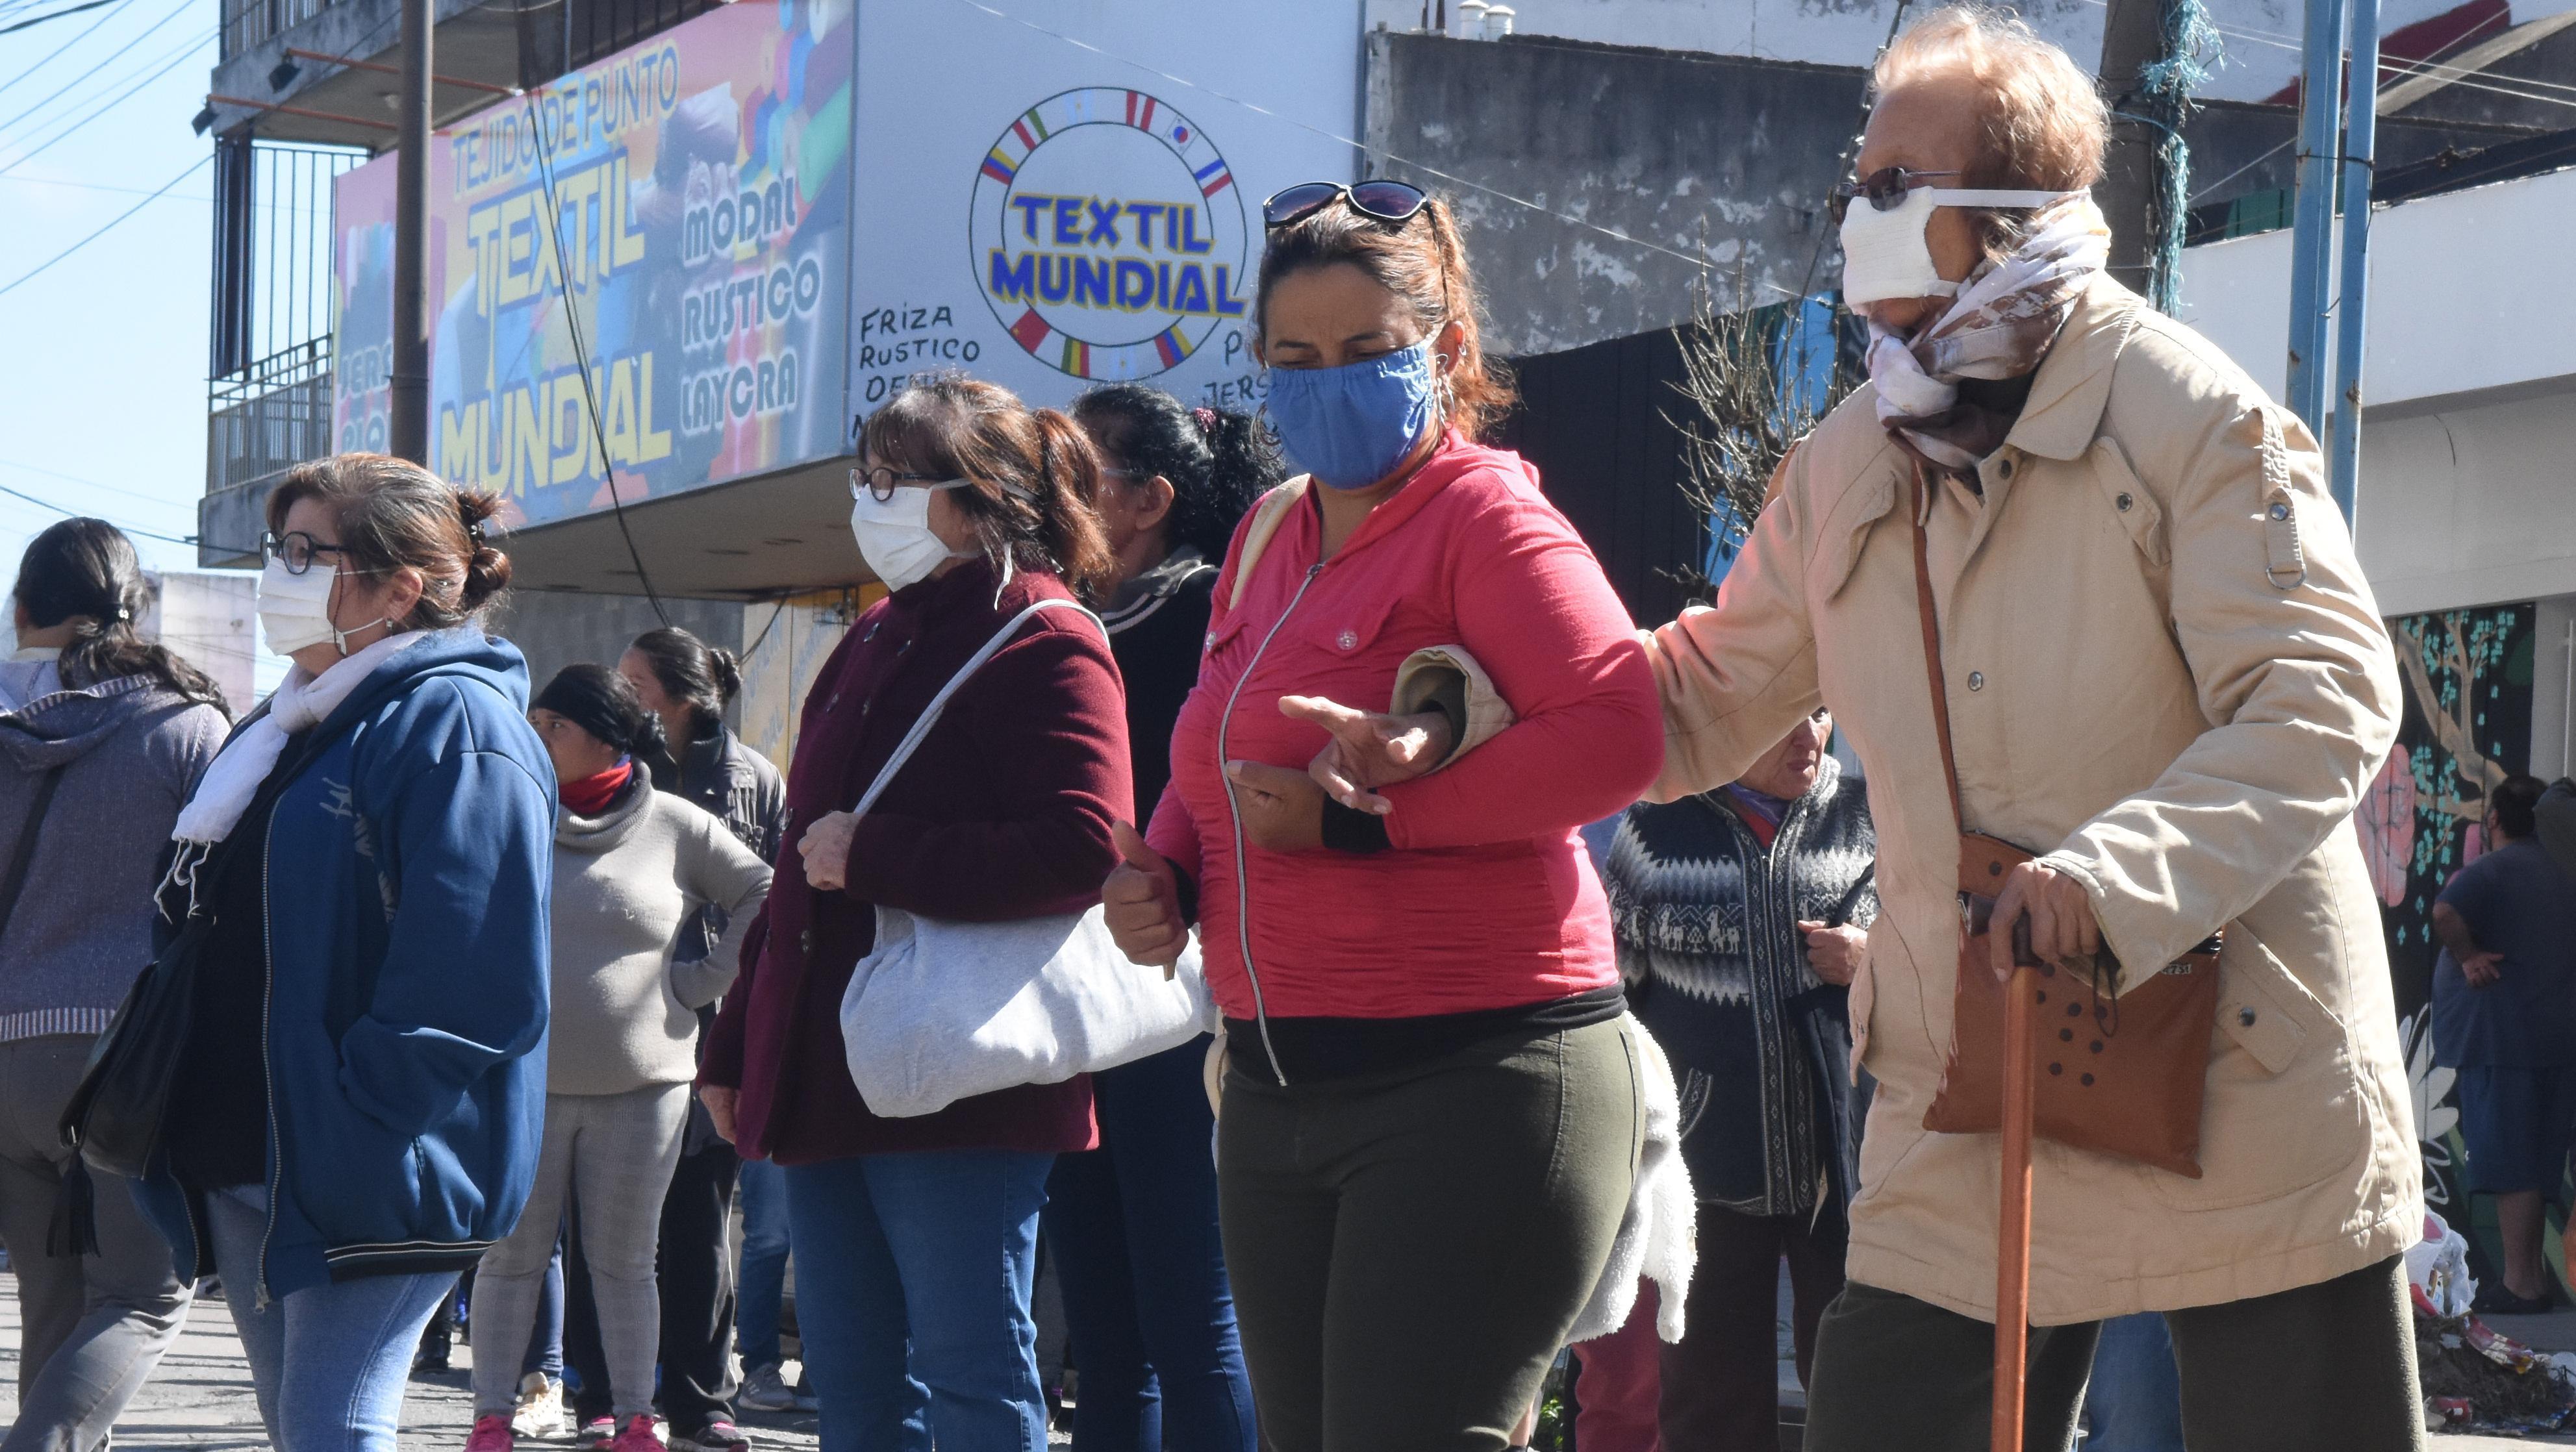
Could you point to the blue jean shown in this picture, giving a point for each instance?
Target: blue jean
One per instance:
(328, 1362)
(2134, 1401)
(760, 1291)
(545, 1339)
(1132, 1233)
(913, 1274)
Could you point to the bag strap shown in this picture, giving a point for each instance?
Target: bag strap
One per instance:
(1932, 639)
(1274, 507)
(25, 859)
(930, 714)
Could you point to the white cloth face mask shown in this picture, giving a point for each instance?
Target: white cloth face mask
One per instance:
(895, 536)
(295, 610)
(1887, 255)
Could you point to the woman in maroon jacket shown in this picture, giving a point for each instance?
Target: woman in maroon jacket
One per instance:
(915, 1238)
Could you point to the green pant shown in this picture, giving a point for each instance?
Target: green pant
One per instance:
(2327, 1366)
(1409, 1249)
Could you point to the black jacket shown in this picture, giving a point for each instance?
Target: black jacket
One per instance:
(1157, 631)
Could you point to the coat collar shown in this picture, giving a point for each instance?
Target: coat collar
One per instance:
(2074, 382)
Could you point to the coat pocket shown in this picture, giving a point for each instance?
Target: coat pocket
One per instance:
(2130, 501)
(2284, 1106)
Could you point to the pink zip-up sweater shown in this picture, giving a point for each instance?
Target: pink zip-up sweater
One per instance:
(1486, 898)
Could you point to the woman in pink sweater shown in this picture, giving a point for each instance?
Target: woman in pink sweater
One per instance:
(1431, 1119)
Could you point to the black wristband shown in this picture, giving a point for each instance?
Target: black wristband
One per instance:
(1348, 829)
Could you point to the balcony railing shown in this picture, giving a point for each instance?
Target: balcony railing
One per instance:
(249, 23)
(269, 417)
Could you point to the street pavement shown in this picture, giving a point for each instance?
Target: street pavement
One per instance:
(201, 1396)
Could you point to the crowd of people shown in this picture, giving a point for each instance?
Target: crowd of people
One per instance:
(1565, 981)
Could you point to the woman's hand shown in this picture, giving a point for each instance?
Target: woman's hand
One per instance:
(720, 1103)
(1369, 749)
(1142, 903)
(1282, 810)
(1833, 951)
(826, 850)
(2062, 928)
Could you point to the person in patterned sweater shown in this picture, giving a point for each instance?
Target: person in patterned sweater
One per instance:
(1740, 916)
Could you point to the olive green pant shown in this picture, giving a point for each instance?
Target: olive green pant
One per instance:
(1409, 1249)
(2329, 1366)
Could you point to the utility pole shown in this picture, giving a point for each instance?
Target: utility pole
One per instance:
(2312, 232)
(410, 374)
(2360, 143)
(2132, 39)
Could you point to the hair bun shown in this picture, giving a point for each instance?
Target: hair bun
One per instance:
(726, 667)
(487, 570)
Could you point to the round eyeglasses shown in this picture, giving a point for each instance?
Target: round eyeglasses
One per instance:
(1885, 188)
(881, 481)
(296, 549)
(1387, 201)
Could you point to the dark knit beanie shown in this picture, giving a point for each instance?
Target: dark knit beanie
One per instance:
(603, 703)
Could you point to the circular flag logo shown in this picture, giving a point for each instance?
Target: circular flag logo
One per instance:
(1108, 234)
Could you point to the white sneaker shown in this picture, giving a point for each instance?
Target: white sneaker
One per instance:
(540, 1412)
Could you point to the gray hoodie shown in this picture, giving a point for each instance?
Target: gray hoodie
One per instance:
(130, 752)
(628, 884)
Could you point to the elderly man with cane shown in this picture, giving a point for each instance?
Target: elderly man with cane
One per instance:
(2147, 686)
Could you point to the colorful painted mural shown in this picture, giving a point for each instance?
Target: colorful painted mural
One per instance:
(699, 189)
(2468, 679)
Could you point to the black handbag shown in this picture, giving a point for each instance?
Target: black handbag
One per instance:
(115, 1117)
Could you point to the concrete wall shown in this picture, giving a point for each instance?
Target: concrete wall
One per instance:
(556, 630)
(1712, 157)
(211, 621)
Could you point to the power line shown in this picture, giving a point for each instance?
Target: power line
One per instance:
(1335, 136)
(581, 352)
(56, 52)
(193, 169)
(63, 181)
(79, 514)
(89, 483)
(176, 58)
(56, 15)
(100, 65)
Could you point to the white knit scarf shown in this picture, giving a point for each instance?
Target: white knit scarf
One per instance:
(234, 776)
(2000, 326)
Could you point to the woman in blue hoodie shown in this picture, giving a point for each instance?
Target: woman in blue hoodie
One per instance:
(358, 1107)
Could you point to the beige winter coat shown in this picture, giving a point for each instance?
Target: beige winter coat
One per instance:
(2164, 669)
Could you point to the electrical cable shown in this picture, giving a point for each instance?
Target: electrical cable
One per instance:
(14, 28)
(1425, 168)
(56, 52)
(581, 353)
(77, 514)
(100, 65)
(199, 165)
(177, 58)
(758, 640)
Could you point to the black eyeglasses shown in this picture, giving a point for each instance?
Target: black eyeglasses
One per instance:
(1388, 201)
(1886, 189)
(297, 549)
(883, 480)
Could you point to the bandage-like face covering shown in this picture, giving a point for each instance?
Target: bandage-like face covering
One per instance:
(1886, 253)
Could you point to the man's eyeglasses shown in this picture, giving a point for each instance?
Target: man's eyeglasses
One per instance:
(1388, 201)
(296, 549)
(1885, 188)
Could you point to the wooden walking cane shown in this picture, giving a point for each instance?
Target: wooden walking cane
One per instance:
(2012, 1241)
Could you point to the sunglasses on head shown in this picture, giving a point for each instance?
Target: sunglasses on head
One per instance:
(1885, 189)
(1387, 201)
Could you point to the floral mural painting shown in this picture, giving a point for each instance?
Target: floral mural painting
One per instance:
(2467, 726)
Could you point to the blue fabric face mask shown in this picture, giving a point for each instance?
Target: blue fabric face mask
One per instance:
(1350, 426)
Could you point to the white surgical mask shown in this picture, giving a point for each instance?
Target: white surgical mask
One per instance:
(295, 610)
(1885, 254)
(895, 536)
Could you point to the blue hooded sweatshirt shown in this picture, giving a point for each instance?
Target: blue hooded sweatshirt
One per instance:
(408, 867)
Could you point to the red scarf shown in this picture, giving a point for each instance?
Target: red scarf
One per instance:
(591, 795)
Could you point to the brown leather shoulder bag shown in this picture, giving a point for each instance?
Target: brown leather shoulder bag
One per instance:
(2117, 1075)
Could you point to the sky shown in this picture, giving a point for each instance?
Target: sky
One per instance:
(103, 389)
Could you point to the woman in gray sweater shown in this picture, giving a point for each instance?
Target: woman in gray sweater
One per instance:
(632, 867)
(103, 737)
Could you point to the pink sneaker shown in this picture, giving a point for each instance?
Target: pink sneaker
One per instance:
(492, 1434)
(640, 1434)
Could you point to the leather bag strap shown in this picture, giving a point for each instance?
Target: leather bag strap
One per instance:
(1932, 639)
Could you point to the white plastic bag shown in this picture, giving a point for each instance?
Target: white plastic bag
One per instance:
(2438, 1265)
